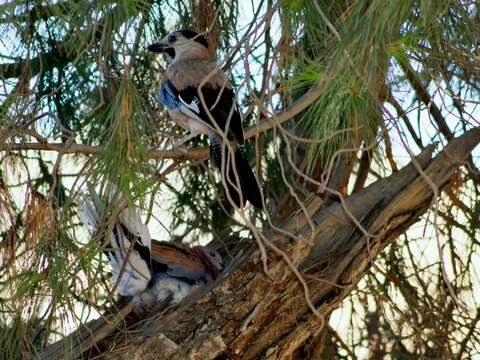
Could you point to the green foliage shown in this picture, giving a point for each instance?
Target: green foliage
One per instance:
(125, 154)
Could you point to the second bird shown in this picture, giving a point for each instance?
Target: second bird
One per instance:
(199, 97)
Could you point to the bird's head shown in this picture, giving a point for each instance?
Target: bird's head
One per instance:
(211, 258)
(183, 45)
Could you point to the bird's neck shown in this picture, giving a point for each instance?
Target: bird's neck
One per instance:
(192, 54)
(212, 271)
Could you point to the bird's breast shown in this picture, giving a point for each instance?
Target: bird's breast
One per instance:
(189, 124)
(194, 72)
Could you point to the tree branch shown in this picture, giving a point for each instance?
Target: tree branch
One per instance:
(363, 169)
(405, 119)
(196, 154)
(297, 107)
(250, 315)
(425, 97)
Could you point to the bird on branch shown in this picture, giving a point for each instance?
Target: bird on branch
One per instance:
(146, 270)
(199, 97)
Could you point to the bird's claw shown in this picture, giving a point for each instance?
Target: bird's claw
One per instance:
(178, 145)
(181, 147)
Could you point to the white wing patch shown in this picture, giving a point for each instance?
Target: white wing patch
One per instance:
(136, 274)
(193, 105)
(164, 286)
(131, 219)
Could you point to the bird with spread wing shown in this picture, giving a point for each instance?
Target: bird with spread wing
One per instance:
(199, 97)
(148, 270)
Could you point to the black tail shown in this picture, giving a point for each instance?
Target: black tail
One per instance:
(248, 182)
(240, 169)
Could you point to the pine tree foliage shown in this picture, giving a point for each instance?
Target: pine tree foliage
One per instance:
(335, 95)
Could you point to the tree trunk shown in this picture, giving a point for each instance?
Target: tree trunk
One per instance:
(251, 314)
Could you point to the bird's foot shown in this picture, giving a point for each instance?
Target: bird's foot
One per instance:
(180, 147)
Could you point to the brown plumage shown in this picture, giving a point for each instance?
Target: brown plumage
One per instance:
(146, 269)
(184, 73)
(183, 262)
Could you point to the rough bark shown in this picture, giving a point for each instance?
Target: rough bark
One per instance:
(253, 315)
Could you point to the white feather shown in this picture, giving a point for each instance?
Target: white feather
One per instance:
(136, 274)
(193, 105)
(163, 287)
(88, 216)
(132, 221)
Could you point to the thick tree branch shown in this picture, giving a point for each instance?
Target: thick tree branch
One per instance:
(386, 209)
(250, 315)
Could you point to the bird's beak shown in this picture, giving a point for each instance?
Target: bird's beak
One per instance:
(158, 47)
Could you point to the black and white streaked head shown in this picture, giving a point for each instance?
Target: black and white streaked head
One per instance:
(183, 45)
(212, 260)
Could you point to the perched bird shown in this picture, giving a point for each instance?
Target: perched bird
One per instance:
(199, 97)
(148, 270)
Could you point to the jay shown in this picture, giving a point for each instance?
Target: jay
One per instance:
(146, 270)
(199, 97)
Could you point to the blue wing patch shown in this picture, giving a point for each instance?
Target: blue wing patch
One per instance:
(218, 102)
(168, 96)
(171, 99)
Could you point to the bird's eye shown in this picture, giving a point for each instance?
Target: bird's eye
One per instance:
(171, 38)
(212, 254)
